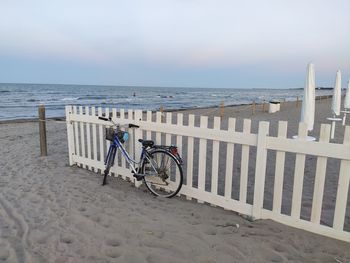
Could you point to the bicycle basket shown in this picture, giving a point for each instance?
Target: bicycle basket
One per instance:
(110, 133)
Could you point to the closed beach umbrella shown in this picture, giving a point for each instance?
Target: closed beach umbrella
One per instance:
(308, 106)
(337, 94)
(347, 97)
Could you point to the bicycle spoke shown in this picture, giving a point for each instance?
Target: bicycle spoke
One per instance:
(161, 173)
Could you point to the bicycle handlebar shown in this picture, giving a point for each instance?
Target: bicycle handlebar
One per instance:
(133, 126)
(104, 119)
(130, 125)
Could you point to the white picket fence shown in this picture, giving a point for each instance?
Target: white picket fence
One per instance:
(206, 171)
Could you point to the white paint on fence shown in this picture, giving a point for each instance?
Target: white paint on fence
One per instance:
(215, 159)
(244, 164)
(80, 139)
(299, 175)
(320, 178)
(202, 162)
(190, 147)
(279, 170)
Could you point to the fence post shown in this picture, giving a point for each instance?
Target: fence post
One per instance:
(222, 109)
(161, 109)
(263, 106)
(70, 134)
(42, 131)
(138, 135)
(343, 188)
(253, 107)
(260, 169)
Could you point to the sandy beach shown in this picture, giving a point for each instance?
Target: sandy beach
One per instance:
(51, 212)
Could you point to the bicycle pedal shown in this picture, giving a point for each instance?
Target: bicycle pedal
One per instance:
(138, 177)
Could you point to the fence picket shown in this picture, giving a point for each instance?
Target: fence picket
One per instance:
(260, 169)
(279, 170)
(82, 135)
(229, 161)
(244, 164)
(168, 121)
(123, 161)
(320, 176)
(115, 119)
(138, 135)
(107, 142)
(179, 138)
(70, 134)
(215, 159)
(298, 175)
(131, 133)
(101, 139)
(189, 179)
(76, 134)
(88, 137)
(94, 138)
(158, 134)
(149, 119)
(343, 187)
(202, 157)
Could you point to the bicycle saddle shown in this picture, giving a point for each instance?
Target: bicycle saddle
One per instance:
(146, 143)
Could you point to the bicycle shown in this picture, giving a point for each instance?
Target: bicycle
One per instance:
(159, 166)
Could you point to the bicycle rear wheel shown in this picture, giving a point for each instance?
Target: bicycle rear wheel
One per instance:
(163, 174)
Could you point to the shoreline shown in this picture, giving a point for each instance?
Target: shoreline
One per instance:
(61, 118)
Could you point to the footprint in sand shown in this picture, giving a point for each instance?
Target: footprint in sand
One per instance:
(95, 218)
(39, 236)
(194, 222)
(4, 254)
(67, 239)
(113, 242)
(212, 231)
(82, 209)
(279, 248)
(113, 252)
(271, 256)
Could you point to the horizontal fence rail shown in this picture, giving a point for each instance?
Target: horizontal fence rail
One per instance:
(292, 181)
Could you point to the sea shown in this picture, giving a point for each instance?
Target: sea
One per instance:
(21, 101)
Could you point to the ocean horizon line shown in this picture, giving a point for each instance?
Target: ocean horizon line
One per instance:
(149, 86)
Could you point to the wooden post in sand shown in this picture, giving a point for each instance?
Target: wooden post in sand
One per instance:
(297, 102)
(42, 131)
(263, 106)
(161, 109)
(253, 107)
(222, 109)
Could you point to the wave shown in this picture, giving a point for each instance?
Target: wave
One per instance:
(65, 99)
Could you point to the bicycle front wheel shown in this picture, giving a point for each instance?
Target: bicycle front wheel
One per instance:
(163, 174)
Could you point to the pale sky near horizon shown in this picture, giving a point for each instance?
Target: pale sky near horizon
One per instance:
(190, 43)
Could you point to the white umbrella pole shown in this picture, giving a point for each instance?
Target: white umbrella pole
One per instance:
(344, 118)
(332, 129)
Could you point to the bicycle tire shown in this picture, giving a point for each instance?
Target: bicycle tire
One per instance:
(166, 181)
(109, 164)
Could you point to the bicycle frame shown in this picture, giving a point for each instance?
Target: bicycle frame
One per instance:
(118, 145)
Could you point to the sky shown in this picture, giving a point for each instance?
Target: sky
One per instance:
(187, 43)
